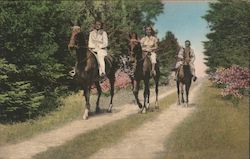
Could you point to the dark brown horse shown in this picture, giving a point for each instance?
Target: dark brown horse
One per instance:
(87, 72)
(142, 71)
(184, 78)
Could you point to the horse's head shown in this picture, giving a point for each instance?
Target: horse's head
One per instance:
(134, 46)
(72, 43)
(78, 42)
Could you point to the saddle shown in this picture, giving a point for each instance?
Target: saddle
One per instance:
(109, 59)
(180, 72)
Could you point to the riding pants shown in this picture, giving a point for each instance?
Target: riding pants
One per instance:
(153, 57)
(101, 53)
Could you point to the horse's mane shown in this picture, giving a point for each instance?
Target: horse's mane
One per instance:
(138, 51)
(187, 73)
(81, 41)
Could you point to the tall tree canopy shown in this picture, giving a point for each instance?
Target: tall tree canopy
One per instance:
(229, 42)
(34, 60)
(168, 48)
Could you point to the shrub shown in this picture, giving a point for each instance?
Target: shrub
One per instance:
(234, 81)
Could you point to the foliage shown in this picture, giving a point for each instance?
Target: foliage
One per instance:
(168, 48)
(121, 17)
(34, 58)
(216, 129)
(228, 43)
(234, 81)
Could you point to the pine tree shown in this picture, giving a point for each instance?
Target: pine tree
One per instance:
(168, 48)
(229, 41)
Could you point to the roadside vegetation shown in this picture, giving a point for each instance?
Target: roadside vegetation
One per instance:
(218, 129)
(88, 143)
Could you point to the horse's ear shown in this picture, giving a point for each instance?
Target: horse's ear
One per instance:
(71, 23)
(129, 35)
(78, 23)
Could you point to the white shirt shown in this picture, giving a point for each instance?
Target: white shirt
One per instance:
(98, 39)
(192, 55)
(149, 43)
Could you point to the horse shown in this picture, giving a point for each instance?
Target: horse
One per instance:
(184, 77)
(87, 72)
(142, 71)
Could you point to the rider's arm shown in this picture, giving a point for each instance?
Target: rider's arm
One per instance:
(192, 56)
(144, 48)
(104, 43)
(180, 54)
(92, 43)
(155, 47)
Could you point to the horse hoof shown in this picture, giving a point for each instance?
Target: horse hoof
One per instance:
(85, 115)
(97, 110)
(139, 111)
(144, 111)
(147, 106)
(156, 105)
(140, 105)
(110, 108)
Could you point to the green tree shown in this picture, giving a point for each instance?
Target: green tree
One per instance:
(120, 18)
(168, 47)
(229, 41)
(34, 58)
(33, 51)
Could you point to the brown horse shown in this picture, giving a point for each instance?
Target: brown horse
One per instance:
(87, 72)
(142, 71)
(184, 77)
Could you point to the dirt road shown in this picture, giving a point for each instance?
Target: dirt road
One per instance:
(147, 142)
(42, 142)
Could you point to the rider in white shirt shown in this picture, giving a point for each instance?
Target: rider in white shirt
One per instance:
(149, 43)
(98, 42)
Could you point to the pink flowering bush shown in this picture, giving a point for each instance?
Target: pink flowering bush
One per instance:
(122, 81)
(234, 81)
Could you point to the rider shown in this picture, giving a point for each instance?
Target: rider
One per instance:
(149, 43)
(98, 42)
(186, 54)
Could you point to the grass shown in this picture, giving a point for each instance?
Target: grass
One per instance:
(87, 144)
(11, 133)
(216, 130)
(71, 109)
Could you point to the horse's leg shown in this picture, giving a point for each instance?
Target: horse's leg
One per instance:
(136, 92)
(156, 79)
(146, 95)
(178, 92)
(87, 105)
(187, 93)
(182, 92)
(99, 90)
(132, 82)
(112, 83)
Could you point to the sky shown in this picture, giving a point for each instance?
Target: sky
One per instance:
(185, 20)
